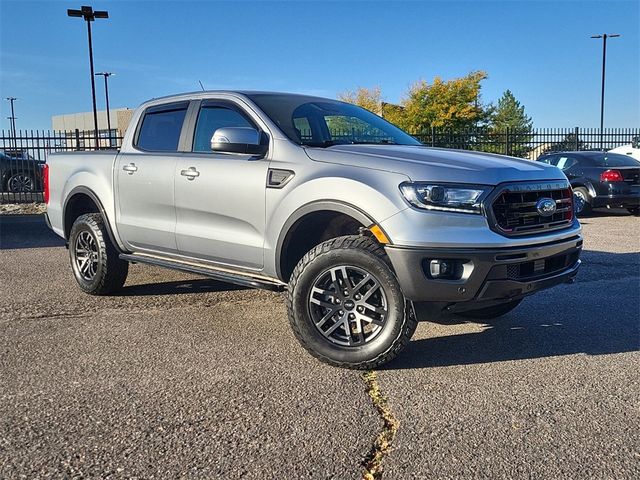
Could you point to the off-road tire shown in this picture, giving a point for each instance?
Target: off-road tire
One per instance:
(366, 254)
(111, 272)
(491, 312)
(587, 209)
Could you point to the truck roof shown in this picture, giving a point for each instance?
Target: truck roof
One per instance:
(201, 93)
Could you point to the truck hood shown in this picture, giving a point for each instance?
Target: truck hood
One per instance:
(437, 164)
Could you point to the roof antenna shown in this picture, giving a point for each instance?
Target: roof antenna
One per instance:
(201, 86)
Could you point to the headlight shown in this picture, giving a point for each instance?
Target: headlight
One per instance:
(443, 197)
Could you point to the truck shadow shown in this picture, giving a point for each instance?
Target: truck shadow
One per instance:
(200, 285)
(598, 315)
(26, 231)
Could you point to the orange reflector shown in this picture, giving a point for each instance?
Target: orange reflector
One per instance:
(379, 234)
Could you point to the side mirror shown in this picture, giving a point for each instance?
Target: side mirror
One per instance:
(238, 140)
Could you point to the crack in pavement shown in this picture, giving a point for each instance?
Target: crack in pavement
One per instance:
(383, 442)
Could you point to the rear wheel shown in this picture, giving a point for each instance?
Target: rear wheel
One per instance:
(583, 203)
(492, 312)
(95, 262)
(345, 305)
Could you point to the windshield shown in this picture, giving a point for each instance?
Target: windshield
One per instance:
(614, 160)
(318, 122)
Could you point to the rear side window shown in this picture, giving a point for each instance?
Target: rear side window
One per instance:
(210, 119)
(161, 127)
(614, 160)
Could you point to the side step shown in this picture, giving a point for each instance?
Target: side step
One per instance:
(223, 275)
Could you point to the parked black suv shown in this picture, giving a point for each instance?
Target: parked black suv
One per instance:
(600, 179)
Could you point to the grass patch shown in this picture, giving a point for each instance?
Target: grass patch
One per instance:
(384, 440)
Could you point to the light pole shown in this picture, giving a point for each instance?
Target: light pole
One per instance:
(13, 121)
(604, 37)
(106, 75)
(89, 15)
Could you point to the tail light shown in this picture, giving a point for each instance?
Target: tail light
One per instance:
(611, 176)
(45, 182)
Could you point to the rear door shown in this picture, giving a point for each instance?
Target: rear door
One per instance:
(145, 180)
(220, 197)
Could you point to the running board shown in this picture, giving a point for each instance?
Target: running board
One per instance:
(223, 275)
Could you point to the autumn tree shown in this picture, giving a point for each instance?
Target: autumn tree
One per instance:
(443, 103)
(369, 98)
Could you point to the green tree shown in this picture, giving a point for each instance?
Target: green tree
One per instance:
(510, 120)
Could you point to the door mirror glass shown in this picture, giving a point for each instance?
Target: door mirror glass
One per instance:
(238, 140)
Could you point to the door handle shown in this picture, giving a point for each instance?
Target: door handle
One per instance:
(131, 168)
(190, 173)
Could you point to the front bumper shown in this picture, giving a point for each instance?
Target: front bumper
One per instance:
(623, 201)
(487, 275)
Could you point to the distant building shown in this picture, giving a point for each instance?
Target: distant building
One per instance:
(83, 122)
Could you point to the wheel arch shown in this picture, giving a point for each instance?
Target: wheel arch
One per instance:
(73, 208)
(329, 211)
(585, 184)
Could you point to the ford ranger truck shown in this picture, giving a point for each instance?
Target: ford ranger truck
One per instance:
(366, 229)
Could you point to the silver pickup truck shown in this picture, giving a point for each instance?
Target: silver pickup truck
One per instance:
(367, 230)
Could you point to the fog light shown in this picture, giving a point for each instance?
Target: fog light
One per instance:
(440, 268)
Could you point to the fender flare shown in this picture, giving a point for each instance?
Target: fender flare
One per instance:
(91, 194)
(316, 206)
(585, 184)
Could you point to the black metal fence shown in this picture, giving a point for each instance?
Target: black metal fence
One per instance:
(24, 154)
(528, 144)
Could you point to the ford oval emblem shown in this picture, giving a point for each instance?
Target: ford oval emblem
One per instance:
(546, 207)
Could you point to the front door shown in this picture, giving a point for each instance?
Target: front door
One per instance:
(146, 214)
(220, 197)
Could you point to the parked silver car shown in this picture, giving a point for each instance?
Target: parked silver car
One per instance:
(364, 227)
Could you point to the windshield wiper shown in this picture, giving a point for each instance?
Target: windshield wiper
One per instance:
(381, 142)
(331, 143)
(324, 144)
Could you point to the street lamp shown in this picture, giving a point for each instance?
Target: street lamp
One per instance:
(604, 37)
(12, 118)
(106, 75)
(87, 13)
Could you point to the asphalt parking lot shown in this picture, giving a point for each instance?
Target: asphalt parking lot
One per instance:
(182, 376)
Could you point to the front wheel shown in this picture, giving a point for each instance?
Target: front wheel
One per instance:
(94, 260)
(345, 305)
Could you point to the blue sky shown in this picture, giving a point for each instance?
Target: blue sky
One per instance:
(540, 50)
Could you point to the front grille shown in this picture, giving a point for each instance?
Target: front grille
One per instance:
(515, 208)
(542, 267)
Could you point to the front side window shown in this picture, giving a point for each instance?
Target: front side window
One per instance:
(210, 119)
(161, 127)
(565, 163)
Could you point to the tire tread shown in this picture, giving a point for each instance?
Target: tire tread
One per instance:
(114, 269)
(366, 244)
